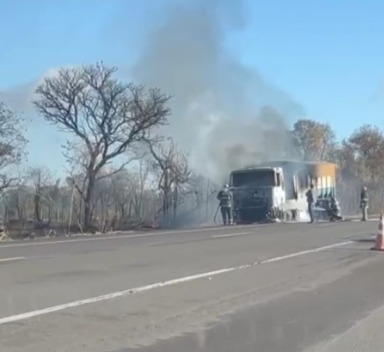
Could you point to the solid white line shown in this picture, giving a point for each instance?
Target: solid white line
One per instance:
(115, 237)
(11, 259)
(233, 235)
(131, 291)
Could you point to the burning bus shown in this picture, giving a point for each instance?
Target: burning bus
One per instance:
(277, 190)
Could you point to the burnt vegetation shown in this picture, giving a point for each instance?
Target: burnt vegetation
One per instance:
(124, 173)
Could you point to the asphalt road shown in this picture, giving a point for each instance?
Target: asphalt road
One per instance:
(276, 287)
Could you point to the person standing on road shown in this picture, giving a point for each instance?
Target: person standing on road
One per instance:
(364, 203)
(225, 199)
(311, 202)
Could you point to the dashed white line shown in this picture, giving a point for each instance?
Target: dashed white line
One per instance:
(131, 291)
(10, 259)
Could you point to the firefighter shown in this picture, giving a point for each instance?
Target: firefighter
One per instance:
(225, 198)
(311, 202)
(364, 203)
(334, 210)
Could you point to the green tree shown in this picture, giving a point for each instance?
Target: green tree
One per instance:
(313, 140)
(365, 151)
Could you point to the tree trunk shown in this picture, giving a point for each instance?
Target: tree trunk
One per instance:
(19, 210)
(137, 207)
(167, 204)
(81, 202)
(130, 209)
(49, 213)
(6, 214)
(122, 210)
(37, 207)
(116, 211)
(88, 201)
(175, 200)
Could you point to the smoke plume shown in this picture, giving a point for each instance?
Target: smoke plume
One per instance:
(224, 114)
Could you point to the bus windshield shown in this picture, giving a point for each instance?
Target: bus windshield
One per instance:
(255, 178)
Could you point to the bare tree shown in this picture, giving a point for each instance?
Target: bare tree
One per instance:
(54, 195)
(140, 180)
(174, 173)
(360, 161)
(16, 203)
(12, 143)
(40, 178)
(205, 202)
(78, 160)
(77, 184)
(107, 116)
(121, 189)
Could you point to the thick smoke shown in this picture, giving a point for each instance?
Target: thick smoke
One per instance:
(224, 114)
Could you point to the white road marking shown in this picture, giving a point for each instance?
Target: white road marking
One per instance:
(177, 281)
(293, 255)
(11, 259)
(234, 234)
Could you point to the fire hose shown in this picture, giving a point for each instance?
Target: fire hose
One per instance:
(217, 211)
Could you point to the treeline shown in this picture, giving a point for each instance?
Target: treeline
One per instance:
(121, 200)
(124, 173)
(112, 127)
(359, 159)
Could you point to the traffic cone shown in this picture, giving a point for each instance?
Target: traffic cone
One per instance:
(379, 245)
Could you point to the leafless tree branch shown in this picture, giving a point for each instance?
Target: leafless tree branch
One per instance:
(108, 117)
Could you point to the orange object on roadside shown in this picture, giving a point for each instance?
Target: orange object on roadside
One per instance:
(379, 245)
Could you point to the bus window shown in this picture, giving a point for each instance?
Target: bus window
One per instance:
(278, 179)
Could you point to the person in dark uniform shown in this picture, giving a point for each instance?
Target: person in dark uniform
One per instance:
(334, 210)
(311, 202)
(364, 203)
(225, 199)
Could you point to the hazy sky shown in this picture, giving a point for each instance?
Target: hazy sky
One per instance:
(328, 55)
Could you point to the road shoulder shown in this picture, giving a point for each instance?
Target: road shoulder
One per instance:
(366, 335)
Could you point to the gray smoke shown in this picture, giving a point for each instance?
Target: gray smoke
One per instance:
(224, 114)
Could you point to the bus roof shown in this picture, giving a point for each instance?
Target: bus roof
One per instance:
(295, 162)
(259, 168)
(314, 167)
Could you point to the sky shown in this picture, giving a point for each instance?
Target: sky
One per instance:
(328, 55)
